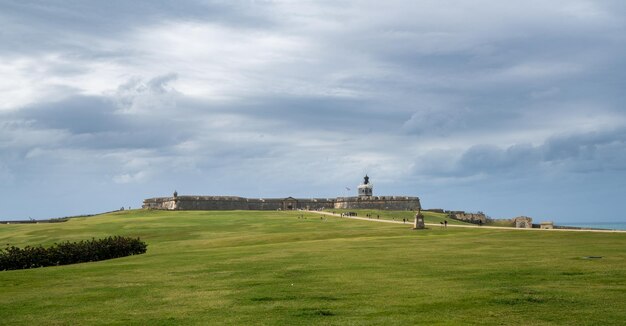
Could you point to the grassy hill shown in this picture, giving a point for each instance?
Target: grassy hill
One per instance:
(429, 217)
(250, 267)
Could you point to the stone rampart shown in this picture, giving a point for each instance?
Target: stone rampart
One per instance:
(159, 203)
(289, 203)
(396, 203)
(316, 203)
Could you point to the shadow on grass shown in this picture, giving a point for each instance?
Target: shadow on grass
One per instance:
(311, 312)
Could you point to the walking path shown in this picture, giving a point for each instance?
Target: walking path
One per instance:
(463, 225)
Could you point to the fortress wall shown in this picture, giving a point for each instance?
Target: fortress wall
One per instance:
(365, 200)
(316, 203)
(259, 204)
(240, 203)
(159, 203)
(211, 203)
(400, 203)
(197, 203)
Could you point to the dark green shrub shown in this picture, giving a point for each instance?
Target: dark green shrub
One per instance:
(66, 253)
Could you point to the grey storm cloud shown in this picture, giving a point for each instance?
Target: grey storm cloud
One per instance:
(583, 152)
(81, 114)
(99, 122)
(125, 100)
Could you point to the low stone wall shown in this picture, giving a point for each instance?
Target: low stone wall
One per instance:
(471, 217)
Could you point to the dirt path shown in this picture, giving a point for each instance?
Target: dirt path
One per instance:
(464, 226)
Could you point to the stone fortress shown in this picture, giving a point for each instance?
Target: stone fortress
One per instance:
(364, 200)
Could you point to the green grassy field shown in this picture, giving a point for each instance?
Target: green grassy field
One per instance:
(273, 268)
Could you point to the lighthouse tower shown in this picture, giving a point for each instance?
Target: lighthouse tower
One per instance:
(366, 188)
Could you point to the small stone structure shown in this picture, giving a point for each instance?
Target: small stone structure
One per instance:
(547, 225)
(364, 200)
(523, 222)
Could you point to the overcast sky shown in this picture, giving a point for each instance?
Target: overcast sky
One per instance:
(511, 108)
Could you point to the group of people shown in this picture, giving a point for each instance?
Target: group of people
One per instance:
(444, 223)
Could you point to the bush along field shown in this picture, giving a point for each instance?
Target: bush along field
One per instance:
(66, 253)
(298, 268)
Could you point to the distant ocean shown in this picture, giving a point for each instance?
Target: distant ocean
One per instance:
(601, 225)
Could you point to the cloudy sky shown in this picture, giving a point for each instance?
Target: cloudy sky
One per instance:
(487, 105)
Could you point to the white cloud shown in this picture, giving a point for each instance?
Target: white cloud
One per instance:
(216, 61)
(24, 82)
